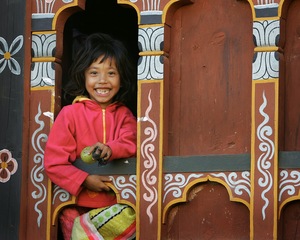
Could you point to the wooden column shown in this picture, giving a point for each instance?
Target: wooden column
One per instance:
(150, 118)
(264, 161)
(45, 90)
(264, 154)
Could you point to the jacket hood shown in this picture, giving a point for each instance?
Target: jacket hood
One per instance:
(93, 104)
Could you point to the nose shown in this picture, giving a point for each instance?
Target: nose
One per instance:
(102, 78)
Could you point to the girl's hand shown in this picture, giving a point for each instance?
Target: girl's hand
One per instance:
(96, 183)
(104, 150)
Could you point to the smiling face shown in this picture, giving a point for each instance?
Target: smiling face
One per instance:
(102, 81)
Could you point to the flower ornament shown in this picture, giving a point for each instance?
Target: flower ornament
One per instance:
(8, 165)
(8, 53)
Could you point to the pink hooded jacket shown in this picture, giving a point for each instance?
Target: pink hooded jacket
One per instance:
(83, 124)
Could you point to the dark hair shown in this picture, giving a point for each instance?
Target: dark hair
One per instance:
(94, 46)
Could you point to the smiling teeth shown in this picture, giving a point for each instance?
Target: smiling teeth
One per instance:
(102, 91)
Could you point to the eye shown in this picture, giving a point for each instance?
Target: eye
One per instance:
(93, 73)
(112, 73)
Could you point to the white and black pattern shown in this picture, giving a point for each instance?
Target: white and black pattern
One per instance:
(151, 39)
(266, 33)
(265, 65)
(42, 74)
(150, 67)
(43, 45)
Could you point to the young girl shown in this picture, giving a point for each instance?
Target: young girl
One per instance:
(101, 80)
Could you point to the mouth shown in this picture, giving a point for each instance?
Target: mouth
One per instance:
(101, 91)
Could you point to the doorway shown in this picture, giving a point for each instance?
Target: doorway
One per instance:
(105, 16)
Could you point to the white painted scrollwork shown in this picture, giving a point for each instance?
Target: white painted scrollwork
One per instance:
(266, 147)
(37, 172)
(288, 182)
(62, 194)
(149, 180)
(176, 184)
(126, 188)
(237, 184)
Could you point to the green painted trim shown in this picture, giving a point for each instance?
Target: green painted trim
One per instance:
(182, 164)
(116, 167)
(207, 163)
(289, 159)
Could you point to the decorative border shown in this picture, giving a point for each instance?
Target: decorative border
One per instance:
(266, 33)
(265, 65)
(126, 186)
(150, 67)
(37, 172)
(42, 74)
(151, 39)
(177, 185)
(43, 45)
(289, 187)
(267, 149)
(148, 179)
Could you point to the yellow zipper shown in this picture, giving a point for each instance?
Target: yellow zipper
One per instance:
(104, 126)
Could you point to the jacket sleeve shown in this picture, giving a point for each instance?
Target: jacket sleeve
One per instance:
(60, 151)
(125, 144)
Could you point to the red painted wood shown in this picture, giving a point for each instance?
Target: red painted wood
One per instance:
(290, 96)
(209, 214)
(211, 52)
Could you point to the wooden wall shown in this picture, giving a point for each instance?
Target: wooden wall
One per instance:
(217, 109)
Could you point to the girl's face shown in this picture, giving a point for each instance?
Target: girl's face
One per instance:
(102, 81)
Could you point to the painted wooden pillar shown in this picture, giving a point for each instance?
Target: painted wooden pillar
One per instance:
(264, 155)
(150, 114)
(45, 84)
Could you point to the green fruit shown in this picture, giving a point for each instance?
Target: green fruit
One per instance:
(86, 156)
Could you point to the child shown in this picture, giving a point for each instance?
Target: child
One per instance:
(101, 80)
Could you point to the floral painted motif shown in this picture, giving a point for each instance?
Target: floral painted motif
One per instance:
(7, 54)
(8, 165)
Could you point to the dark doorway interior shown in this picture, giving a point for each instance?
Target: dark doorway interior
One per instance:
(106, 16)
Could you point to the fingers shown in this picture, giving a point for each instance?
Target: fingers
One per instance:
(97, 183)
(106, 152)
(105, 178)
(102, 150)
